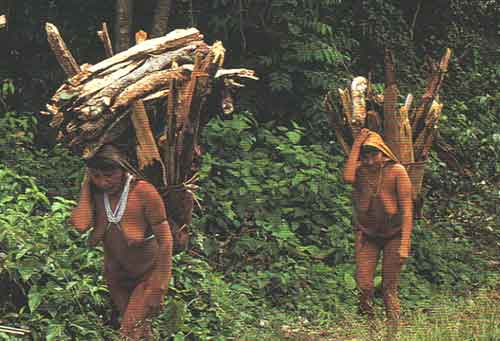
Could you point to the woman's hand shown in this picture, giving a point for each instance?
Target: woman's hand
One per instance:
(361, 138)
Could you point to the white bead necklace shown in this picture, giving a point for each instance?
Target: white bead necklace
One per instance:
(116, 216)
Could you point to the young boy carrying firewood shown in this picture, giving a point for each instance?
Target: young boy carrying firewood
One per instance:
(129, 217)
(382, 218)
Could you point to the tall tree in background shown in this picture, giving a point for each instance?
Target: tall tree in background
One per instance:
(123, 24)
(161, 17)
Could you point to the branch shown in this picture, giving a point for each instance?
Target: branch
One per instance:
(104, 37)
(414, 21)
(63, 55)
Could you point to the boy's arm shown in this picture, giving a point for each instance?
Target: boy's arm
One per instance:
(405, 203)
(82, 216)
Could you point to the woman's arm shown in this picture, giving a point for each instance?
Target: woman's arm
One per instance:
(352, 163)
(82, 216)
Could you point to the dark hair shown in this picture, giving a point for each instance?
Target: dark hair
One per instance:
(102, 163)
(367, 149)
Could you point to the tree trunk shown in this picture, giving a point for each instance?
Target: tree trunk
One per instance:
(123, 24)
(160, 17)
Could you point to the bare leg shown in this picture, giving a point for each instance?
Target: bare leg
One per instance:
(391, 268)
(367, 253)
(135, 323)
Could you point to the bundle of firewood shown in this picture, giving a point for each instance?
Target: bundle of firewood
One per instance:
(409, 130)
(105, 102)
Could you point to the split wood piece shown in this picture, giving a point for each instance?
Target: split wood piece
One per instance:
(231, 73)
(186, 94)
(433, 85)
(3, 21)
(63, 55)
(174, 40)
(358, 95)
(426, 136)
(392, 122)
(156, 95)
(146, 148)
(203, 73)
(226, 74)
(170, 132)
(345, 99)
(191, 127)
(99, 103)
(103, 35)
(406, 153)
(373, 121)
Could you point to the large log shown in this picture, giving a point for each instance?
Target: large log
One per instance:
(172, 41)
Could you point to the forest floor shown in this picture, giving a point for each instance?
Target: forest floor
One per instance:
(471, 318)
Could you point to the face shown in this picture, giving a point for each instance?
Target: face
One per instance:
(109, 181)
(372, 158)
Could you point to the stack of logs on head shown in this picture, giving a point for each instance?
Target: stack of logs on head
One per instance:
(408, 129)
(105, 103)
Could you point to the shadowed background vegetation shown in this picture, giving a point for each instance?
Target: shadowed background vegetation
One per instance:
(272, 242)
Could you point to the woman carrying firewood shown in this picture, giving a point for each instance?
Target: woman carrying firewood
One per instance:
(128, 216)
(382, 218)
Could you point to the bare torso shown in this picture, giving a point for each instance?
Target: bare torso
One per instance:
(375, 196)
(126, 246)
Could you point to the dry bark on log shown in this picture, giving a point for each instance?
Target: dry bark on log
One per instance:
(63, 55)
(147, 85)
(174, 40)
